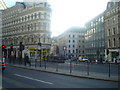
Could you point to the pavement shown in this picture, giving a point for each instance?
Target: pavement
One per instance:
(79, 74)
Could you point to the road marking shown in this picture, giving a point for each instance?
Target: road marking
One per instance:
(33, 79)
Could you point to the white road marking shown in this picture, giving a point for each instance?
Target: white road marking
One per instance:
(33, 79)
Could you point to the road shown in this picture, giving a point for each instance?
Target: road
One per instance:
(81, 66)
(23, 78)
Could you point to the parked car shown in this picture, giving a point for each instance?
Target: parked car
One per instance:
(83, 59)
(117, 61)
(56, 59)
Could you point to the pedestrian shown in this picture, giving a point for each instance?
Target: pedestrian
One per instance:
(26, 56)
(26, 59)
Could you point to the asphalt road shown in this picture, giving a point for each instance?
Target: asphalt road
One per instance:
(23, 78)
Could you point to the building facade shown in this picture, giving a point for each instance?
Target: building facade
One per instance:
(112, 31)
(28, 23)
(71, 42)
(2, 8)
(94, 38)
(2, 5)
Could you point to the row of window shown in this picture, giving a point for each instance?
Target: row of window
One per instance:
(94, 44)
(74, 41)
(94, 51)
(111, 21)
(95, 22)
(26, 18)
(111, 12)
(73, 36)
(30, 40)
(76, 51)
(74, 46)
(112, 31)
(29, 27)
(114, 42)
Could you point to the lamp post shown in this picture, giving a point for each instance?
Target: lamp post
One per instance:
(39, 49)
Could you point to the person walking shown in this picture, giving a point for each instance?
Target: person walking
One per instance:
(26, 56)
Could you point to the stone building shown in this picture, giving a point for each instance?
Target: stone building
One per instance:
(112, 31)
(28, 23)
(71, 42)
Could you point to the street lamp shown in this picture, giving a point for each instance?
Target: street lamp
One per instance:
(39, 49)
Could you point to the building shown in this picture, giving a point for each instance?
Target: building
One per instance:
(71, 42)
(94, 38)
(2, 8)
(28, 23)
(112, 31)
(2, 5)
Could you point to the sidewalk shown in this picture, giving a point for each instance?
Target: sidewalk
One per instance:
(74, 73)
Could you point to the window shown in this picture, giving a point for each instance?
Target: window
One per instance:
(108, 32)
(73, 46)
(119, 41)
(69, 41)
(35, 15)
(73, 36)
(39, 15)
(108, 22)
(69, 35)
(32, 16)
(76, 50)
(83, 51)
(28, 17)
(109, 43)
(113, 31)
(69, 46)
(73, 41)
(114, 43)
(69, 51)
(73, 51)
(79, 51)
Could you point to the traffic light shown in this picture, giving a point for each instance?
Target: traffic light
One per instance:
(21, 46)
(3, 47)
(107, 52)
(11, 47)
(39, 44)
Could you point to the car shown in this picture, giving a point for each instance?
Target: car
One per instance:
(117, 61)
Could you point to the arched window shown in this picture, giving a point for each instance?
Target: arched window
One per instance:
(114, 43)
(109, 43)
(119, 41)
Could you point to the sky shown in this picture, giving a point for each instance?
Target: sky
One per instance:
(68, 13)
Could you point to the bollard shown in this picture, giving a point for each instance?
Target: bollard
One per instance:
(109, 69)
(40, 62)
(70, 66)
(35, 62)
(56, 66)
(88, 68)
(45, 64)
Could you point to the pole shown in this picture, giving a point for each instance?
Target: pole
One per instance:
(40, 58)
(70, 66)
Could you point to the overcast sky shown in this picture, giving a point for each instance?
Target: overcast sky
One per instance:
(68, 13)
